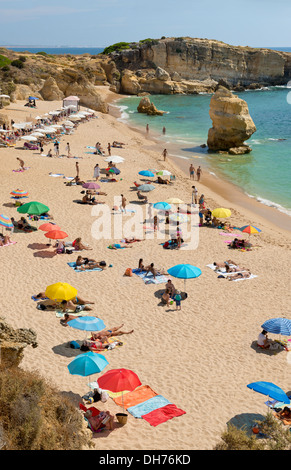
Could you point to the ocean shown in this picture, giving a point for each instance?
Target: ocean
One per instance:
(264, 174)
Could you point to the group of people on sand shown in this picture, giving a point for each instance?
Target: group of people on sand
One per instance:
(192, 172)
(171, 295)
(229, 267)
(150, 269)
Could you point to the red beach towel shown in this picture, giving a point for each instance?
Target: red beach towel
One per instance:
(161, 415)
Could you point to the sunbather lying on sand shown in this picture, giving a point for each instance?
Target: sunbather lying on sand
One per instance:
(70, 305)
(76, 300)
(98, 345)
(224, 264)
(88, 199)
(245, 275)
(101, 265)
(131, 240)
(153, 270)
(80, 261)
(116, 246)
(115, 331)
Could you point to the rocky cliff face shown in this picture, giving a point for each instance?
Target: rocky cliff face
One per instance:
(13, 342)
(232, 124)
(187, 65)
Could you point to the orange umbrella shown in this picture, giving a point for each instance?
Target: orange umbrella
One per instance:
(56, 235)
(48, 227)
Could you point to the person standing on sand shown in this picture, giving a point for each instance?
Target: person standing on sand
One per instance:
(192, 172)
(68, 149)
(199, 171)
(96, 171)
(165, 153)
(109, 149)
(194, 195)
(147, 128)
(123, 204)
(77, 169)
(164, 130)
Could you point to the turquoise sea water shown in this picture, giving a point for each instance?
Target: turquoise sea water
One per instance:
(265, 173)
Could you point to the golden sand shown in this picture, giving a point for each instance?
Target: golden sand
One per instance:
(200, 358)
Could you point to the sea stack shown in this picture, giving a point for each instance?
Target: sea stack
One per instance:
(145, 106)
(232, 124)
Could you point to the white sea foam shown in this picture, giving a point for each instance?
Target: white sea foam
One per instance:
(268, 203)
(124, 115)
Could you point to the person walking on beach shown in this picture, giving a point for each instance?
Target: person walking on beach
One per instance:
(123, 204)
(109, 149)
(164, 130)
(165, 153)
(96, 171)
(192, 172)
(56, 148)
(199, 171)
(147, 128)
(194, 195)
(77, 169)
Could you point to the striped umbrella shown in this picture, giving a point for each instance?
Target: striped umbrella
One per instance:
(279, 326)
(5, 221)
(19, 193)
(250, 229)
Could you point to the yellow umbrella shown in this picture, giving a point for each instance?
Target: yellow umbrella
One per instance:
(221, 213)
(61, 291)
(174, 200)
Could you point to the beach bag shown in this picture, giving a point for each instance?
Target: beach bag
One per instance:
(128, 272)
(74, 345)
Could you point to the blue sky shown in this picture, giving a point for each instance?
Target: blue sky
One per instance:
(101, 23)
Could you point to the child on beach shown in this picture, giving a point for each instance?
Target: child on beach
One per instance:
(178, 299)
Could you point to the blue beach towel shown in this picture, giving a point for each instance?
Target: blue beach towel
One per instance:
(147, 406)
(73, 265)
(149, 279)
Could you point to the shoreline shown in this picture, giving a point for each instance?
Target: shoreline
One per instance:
(217, 185)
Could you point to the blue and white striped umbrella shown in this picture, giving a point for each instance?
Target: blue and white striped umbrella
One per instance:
(279, 326)
(87, 323)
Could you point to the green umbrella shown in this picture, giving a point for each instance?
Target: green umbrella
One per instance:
(33, 208)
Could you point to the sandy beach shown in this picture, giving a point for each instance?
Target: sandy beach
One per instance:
(200, 358)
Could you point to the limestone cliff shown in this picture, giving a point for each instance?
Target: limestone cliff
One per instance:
(13, 342)
(187, 65)
(232, 124)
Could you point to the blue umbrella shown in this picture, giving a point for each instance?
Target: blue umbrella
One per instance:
(87, 364)
(184, 271)
(146, 187)
(146, 173)
(271, 390)
(279, 326)
(114, 170)
(162, 206)
(87, 323)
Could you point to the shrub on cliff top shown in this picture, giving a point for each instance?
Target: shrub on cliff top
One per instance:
(34, 416)
(119, 46)
(4, 61)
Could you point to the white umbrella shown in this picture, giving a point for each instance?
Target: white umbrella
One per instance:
(68, 123)
(4, 96)
(29, 137)
(56, 126)
(163, 173)
(20, 125)
(38, 117)
(50, 130)
(115, 159)
(3, 131)
(37, 134)
(75, 118)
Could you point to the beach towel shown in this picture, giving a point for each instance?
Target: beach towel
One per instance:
(161, 415)
(8, 244)
(149, 279)
(139, 395)
(147, 406)
(73, 265)
(37, 299)
(56, 175)
(219, 270)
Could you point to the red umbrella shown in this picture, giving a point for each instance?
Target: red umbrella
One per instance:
(118, 380)
(56, 235)
(48, 227)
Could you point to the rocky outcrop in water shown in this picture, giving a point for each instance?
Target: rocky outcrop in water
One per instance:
(232, 124)
(145, 106)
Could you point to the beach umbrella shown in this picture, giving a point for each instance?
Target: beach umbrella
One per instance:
(29, 137)
(162, 206)
(185, 271)
(33, 208)
(38, 134)
(163, 173)
(250, 229)
(145, 188)
(119, 380)
(114, 170)
(221, 213)
(87, 323)
(114, 159)
(49, 226)
(19, 193)
(5, 221)
(279, 326)
(146, 173)
(37, 118)
(91, 186)
(61, 291)
(271, 390)
(174, 200)
(56, 235)
(68, 123)
(87, 364)
(179, 217)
